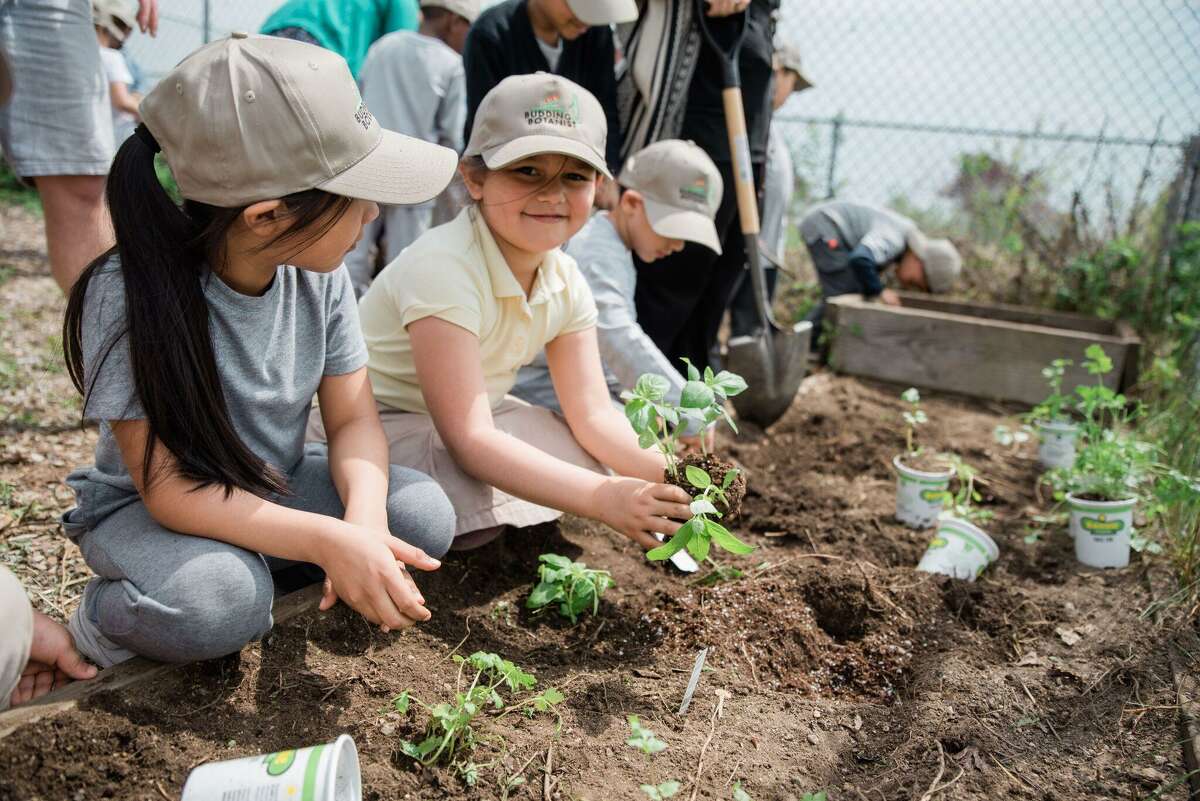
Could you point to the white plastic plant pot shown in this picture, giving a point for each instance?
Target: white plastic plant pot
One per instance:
(326, 772)
(959, 549)
(920, 495)
(1101, 530)
(1056, 443)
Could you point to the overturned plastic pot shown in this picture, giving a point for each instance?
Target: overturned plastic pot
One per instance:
(327, 772)
(959, 549)
(1101, 530)
(920, 494)
(1056, 443)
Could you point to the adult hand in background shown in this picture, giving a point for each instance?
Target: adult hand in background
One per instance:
(148, 16)
(723, 8)
(53, 661)
(890, 297)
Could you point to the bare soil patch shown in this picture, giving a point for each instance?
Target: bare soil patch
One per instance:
(848, 669)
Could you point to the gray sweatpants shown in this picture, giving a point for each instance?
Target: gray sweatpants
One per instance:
(179, 598)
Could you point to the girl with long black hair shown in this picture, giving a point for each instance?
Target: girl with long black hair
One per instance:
(199, 342)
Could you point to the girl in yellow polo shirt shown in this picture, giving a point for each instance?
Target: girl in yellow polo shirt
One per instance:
(453, 318)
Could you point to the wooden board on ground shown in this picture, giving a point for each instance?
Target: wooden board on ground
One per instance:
(132, 672)
(988, 351)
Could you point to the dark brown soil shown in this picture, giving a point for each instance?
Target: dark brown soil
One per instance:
(847, 670)
(716, 469)
(926, 463)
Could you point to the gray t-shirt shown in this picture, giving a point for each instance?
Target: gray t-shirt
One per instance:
(271, 351)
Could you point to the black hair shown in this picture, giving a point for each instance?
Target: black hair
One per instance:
(166, 252)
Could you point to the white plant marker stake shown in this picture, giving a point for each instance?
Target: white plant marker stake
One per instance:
(693, 681)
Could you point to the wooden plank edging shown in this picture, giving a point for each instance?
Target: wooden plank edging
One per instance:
(134, 671)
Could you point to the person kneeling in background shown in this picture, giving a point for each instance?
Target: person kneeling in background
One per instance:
(670, 193)
(852, 244)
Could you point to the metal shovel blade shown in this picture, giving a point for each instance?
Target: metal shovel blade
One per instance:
(773, 364)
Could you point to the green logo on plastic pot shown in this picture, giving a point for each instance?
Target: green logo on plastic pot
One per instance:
(1102, 525)
(279, 762)
(934, 496)
(938, 542)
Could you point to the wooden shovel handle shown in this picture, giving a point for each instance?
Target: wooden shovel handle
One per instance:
(739, 151)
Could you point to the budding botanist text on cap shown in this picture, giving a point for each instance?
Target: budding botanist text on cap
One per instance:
(251, 118)
(527, 115)
(681, 188)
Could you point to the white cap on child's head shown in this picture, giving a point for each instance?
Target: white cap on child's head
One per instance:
(681, 188)
(603, 12)
(527, 115)
(467, 9)
(251, 118)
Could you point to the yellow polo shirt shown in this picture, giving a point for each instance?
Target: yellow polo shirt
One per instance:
(456, 272)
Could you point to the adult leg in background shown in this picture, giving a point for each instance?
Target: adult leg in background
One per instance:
(77, 223)
(57, 128)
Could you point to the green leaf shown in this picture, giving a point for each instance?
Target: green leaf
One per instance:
(698, 546)
(697, 477)
(729, 383)
(401, 702)
(409, 749)
(724, 539)
(647, 439)
(543, 594)
(556, 560)
(652, 387)
(739, 794)
(730, 477)
(702, 506)
(668, 789)
(692, 373)
(910, 395)
(696, 395)
(673, 545)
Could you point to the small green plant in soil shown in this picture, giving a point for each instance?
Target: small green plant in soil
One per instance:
(699, 533)
(450, 735)
(572, 585)
(659, 424)
(913, 417)
(1056, 407)
(644, 740)
(962, 502)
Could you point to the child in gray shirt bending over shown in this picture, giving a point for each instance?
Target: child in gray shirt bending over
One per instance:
(670, 192)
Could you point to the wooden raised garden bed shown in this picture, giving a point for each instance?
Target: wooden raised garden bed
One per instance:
(993, 351)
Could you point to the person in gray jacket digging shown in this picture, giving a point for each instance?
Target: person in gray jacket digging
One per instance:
(852, 244)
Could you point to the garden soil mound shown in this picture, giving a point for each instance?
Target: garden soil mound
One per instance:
(846, 669)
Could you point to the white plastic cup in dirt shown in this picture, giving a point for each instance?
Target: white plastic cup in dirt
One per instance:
(1101, 530)
(327, 772)
(959, 549)
(920, 494)
(1056, 443)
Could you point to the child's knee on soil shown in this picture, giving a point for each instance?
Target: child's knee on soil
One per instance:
(419, 511)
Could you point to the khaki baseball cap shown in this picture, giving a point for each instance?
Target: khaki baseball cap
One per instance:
(940, 259)
(681, 187)
(467, 9)
(251, 118)
(527, 115)
(787, 57)
(603, 12)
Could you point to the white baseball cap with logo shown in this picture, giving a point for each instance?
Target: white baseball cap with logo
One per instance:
(681, 187)
(527, 115)
(251, 118)
(467, 9)
(107, 13)
(603, 12)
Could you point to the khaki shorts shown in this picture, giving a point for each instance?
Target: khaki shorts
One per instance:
(414, 442)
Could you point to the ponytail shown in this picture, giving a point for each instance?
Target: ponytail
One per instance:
(165, 252)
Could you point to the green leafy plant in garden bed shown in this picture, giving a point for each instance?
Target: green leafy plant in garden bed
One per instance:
(659, 424)
(572, 585)
(450, 736)
(913, 417)
(644, 740)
